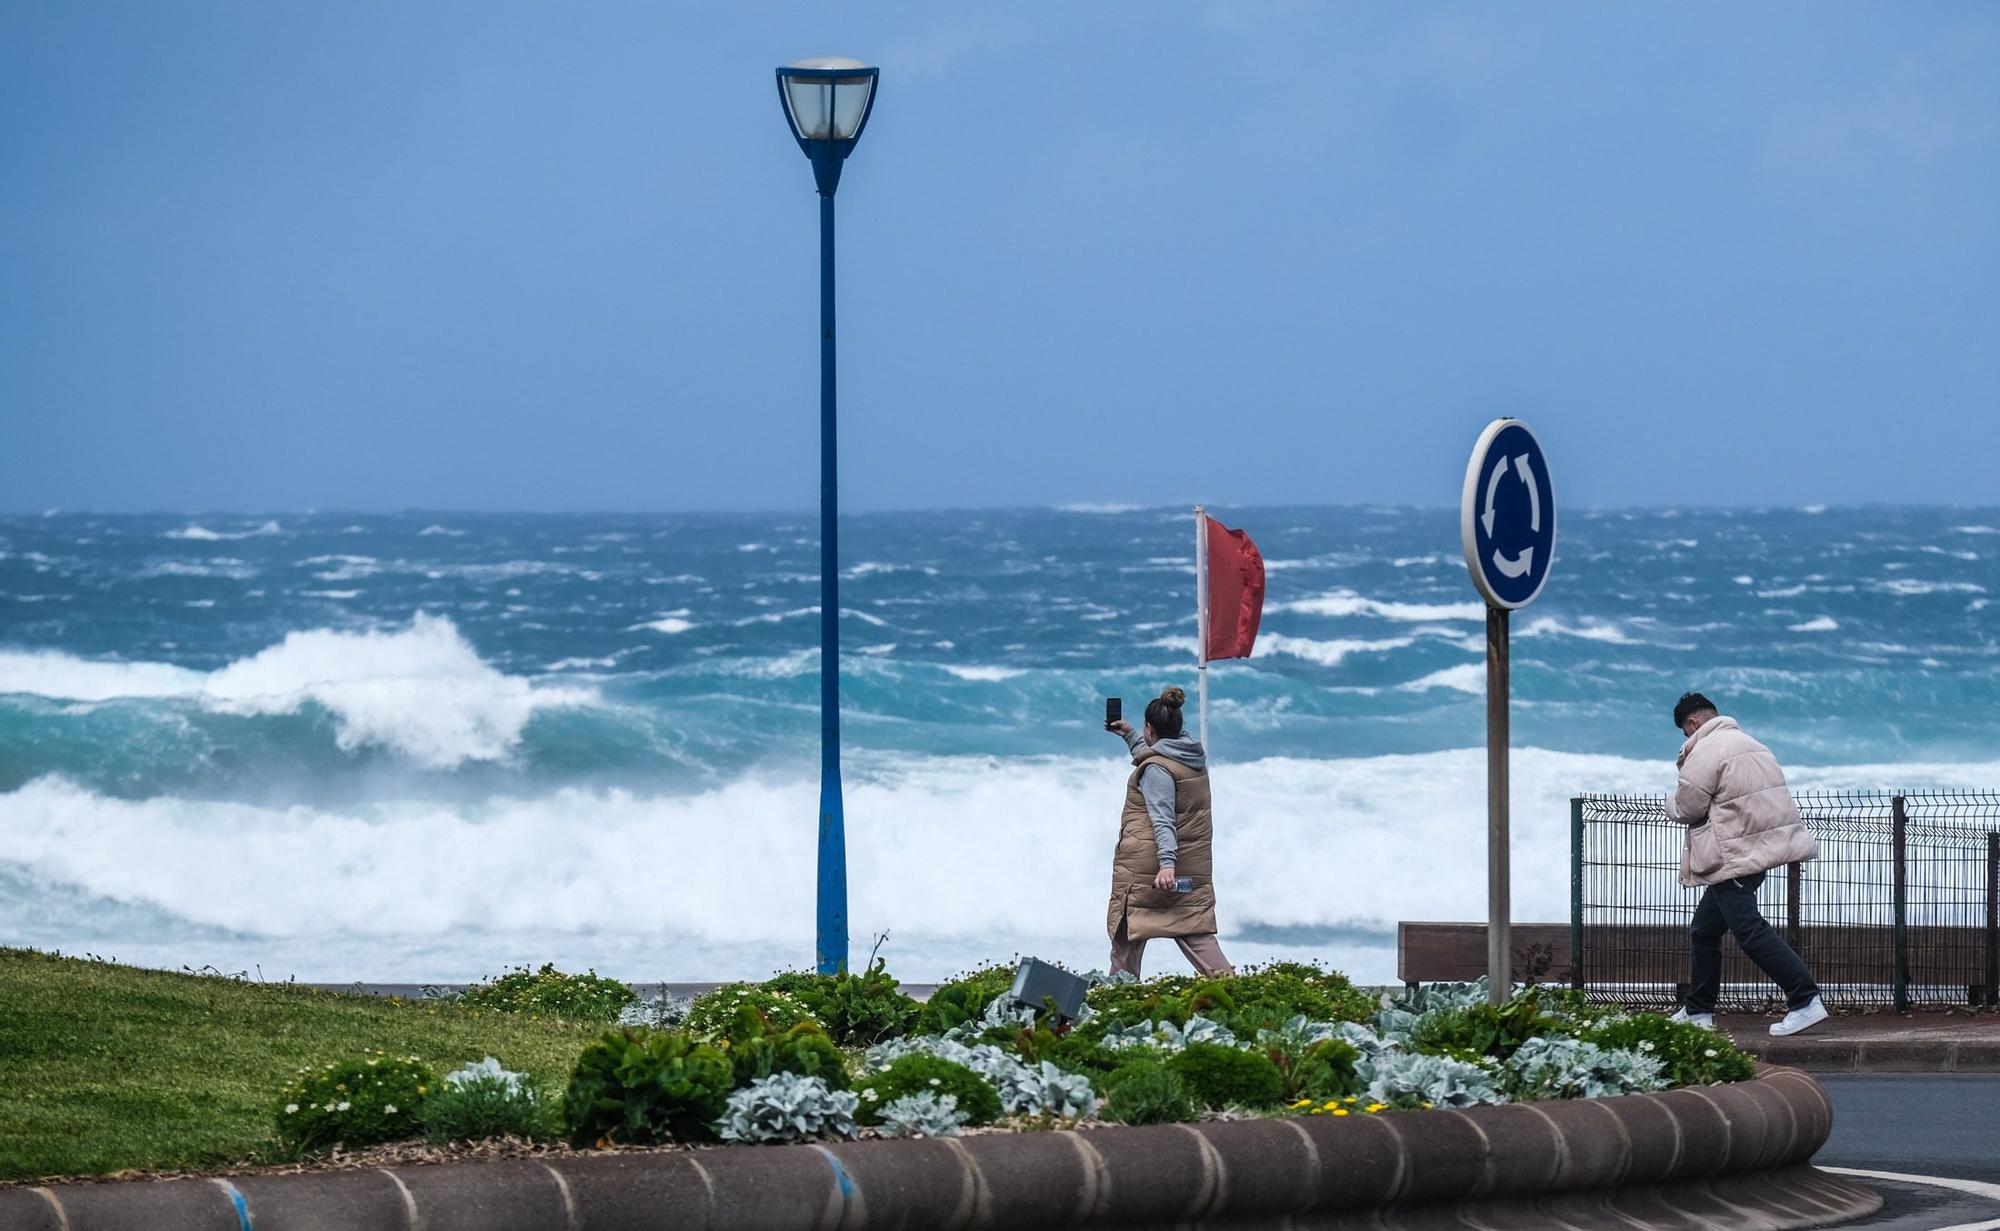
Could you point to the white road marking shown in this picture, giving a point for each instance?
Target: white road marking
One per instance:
(1978, 1188)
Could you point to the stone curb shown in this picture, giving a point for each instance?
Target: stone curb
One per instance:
(1850, 1055)
(1730, 1155)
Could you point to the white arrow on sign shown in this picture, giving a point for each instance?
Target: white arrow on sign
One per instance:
(1514, 566)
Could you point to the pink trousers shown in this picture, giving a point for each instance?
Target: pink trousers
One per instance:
(1202, 950)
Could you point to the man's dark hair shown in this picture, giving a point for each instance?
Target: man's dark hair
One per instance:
(1690, 704)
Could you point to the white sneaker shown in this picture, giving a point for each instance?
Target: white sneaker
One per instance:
(1812, 1014)
(1705, 1020)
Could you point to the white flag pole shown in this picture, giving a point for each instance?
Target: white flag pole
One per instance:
(1201, 616)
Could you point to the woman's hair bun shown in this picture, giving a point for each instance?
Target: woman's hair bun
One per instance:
(1174, 697)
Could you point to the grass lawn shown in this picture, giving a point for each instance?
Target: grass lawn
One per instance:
(106, 1067)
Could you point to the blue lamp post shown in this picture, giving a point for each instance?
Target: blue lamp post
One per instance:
(827, 101)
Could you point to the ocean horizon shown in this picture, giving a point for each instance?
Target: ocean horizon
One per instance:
(424, 746)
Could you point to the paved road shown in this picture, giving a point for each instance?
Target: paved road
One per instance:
(1919, 1124)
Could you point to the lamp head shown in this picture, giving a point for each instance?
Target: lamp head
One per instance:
(827, 100)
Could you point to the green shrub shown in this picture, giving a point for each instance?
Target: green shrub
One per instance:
(585, 997)
(1266, 997)
(1220, 1076)
(641, 1086)
(1071, 1052)
(1471, 1031)
(1325, 1071)
(356, 1102)
(963, 999)
(1688, 1054)
(1147, 1092)
(1128, 1004)
(757, 1049)
(858, 1010)
(713, 1013)
(919, 1073)
(477, 1101)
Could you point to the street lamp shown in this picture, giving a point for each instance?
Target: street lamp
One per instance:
(827, 101)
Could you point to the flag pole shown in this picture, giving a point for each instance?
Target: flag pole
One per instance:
(1201, 616)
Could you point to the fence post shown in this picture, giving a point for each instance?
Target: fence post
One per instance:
(1993, 918)
(1795, 883)
(1899, 819)
(1576, 895)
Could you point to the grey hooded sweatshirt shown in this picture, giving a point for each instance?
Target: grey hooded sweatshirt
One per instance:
(1156, 785)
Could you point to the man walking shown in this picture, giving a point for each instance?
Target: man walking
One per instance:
(1741, 823)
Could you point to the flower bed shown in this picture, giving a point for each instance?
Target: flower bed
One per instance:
(808, 1057)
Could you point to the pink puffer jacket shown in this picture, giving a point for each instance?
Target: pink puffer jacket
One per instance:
(1739, 812)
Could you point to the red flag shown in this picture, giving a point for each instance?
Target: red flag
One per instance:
(1235, 592)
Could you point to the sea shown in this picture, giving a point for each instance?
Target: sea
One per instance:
(428, 746)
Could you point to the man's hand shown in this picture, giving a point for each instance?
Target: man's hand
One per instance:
(1120, 728)
(1165, 880)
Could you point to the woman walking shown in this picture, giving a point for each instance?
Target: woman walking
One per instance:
(1163, 838)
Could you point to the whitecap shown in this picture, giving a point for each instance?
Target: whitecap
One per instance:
(1349, 603)
(194, 532)
(1097, 507)
(1818, 624)
(983, 674)
(1975, 529)
(1908, 587)
(1468, 677)
(431, 530)
(1589, 630)
(1325, 653)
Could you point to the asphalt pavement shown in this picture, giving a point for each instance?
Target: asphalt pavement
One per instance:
(1942, 1126)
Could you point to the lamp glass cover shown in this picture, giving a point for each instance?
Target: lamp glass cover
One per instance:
(828, 108)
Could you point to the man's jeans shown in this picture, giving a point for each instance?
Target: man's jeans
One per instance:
(1731, 906)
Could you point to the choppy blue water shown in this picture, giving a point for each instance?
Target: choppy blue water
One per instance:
(425, 746)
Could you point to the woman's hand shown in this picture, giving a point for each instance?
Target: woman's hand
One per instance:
(1165, 880)
(1120, 728)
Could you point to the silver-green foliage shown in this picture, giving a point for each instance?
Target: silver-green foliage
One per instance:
(1404, 1078)
(926, 1114)
(481, 1100)
(1042, 1089)
(1550, 1068)
(1168, 1036)
(787, 1107)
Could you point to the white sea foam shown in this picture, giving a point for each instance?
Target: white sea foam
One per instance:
(1100, 507)
(201, 534)
(1326, 653)
(1348, 603)
(1975, 529)
(669, 624)
(1467, 677)
(432, 530)
(774, 617)
(1298, 844)
(221, 566)
(1785, 592)
(420, 691)
(1818, 624)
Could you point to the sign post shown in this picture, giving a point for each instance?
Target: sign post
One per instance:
(1507, 523)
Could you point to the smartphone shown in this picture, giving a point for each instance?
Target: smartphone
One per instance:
(1114, 711)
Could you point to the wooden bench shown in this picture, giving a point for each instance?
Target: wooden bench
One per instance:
(1456, 952)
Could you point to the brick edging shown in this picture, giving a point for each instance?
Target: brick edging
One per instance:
(1683, 1158)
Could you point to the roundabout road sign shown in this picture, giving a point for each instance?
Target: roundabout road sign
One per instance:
(1507, 517)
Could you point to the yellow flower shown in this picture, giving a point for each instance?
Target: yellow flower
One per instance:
(1331, 1104)
(1340, 1111)
(1375, 1107)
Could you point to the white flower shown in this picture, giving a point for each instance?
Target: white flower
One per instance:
(329, 1106)
(389, 1109)
(344, 1105)
(936, 1082)
(1645, 1045)
(291, 1109)
(1709, 1052)
(870, 1094)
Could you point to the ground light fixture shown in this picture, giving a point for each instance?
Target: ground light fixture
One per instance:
(827, 101)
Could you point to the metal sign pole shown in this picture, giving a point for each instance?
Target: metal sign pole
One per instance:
(1507, 525)
(1499, 948)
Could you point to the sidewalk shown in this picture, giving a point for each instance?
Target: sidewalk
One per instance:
(1931, 1042)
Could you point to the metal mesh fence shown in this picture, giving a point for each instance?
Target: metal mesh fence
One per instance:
(1902, 906)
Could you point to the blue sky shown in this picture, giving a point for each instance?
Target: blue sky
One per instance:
(513, 256)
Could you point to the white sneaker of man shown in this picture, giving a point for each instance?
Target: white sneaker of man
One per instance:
(1805, 1017)
(1705, 1020)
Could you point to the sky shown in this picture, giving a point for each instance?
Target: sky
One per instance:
(512, 256)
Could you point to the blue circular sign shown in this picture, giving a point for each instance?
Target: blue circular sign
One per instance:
(1507, 518)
